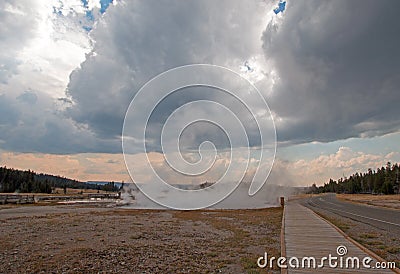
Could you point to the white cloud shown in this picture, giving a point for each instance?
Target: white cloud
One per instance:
(43, 42)
(94, 4)
(344, 162)
(87, 166)
(58, 45)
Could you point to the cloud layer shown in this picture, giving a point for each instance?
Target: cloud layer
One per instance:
(328, 69)
(338, 67)
(137, 40)
(344, 162)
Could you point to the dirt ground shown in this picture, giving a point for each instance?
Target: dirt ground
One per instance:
(76, 239)
(389, 201)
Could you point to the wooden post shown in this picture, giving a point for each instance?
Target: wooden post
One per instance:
(282, 201)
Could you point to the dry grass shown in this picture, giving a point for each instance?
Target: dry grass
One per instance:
(388, 201)
(141, 241)
(249, 233)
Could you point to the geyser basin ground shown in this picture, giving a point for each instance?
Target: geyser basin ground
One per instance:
(85, 238)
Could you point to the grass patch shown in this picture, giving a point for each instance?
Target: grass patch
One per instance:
(246, 234)
(369, 243)
(340, 224)
(389, 201)
(393, 249)
(368, 236)
(249, 263)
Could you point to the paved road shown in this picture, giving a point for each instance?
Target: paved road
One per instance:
(386, 219)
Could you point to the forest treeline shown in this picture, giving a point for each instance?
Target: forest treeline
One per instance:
(27, 181)
(384, 180)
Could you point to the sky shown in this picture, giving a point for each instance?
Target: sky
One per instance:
(328, 70)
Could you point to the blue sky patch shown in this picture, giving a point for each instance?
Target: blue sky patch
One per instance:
(87, 28)
(89, 15)
(281, 7)
(85, 3)
(104, 5)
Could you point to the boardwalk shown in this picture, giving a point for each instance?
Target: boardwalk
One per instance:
(16, 199)
(34, 198)
(308, 235)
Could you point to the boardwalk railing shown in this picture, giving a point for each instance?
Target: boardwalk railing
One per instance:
(16, 199)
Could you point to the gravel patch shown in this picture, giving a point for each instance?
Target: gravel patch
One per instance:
(138, 241)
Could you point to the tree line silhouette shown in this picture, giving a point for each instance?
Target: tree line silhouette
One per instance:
(384, 180)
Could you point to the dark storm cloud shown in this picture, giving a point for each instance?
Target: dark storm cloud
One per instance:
(137, 40)
(8, 114)
(339, 69)
(29, 123)
(194, 134)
